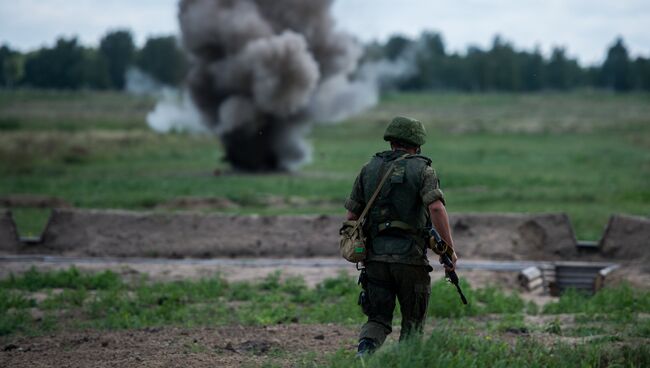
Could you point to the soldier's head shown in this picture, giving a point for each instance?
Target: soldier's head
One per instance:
(405, 133)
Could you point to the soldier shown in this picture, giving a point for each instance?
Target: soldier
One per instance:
(396, 264)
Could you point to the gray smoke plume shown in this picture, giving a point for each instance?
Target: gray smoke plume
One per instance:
(262, 71)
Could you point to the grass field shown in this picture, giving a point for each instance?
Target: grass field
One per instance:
(584, 153)
(497, 329)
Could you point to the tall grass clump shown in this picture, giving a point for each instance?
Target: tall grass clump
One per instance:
(621, 301)
(445, 302)
(70, 278)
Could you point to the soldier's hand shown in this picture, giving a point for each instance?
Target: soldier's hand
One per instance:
(454, 259)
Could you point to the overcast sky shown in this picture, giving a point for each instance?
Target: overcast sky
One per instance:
(584, 27)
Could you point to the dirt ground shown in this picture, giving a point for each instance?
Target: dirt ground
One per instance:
(228, 346)
(232, 346)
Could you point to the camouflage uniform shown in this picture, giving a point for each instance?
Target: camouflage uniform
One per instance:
(396, 265)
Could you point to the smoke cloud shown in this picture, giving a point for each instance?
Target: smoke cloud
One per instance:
(262, 71)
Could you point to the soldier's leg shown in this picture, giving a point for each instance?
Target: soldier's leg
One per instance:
(414, 288)
(382, 303)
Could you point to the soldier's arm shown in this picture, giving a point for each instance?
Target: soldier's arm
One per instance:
(440, 220)
(355, 202)
(434, 199)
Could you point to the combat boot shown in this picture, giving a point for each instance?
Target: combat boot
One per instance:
(366, 346)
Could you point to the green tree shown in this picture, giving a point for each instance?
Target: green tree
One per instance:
(532, 70)
(477, 66)
(95, 70)
(57, 67)
(641, 72)
(503, 67)
(558, 70)
(161, 58)
(616, 70)
(396, 46)
(11, 67)
(67, 65)
(119, 51)
(430, 62)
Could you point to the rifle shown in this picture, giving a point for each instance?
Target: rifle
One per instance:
(441, 249)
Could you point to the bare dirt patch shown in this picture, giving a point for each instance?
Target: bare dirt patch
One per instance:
(33, 201)
(228, 346)
(198, 203)
(626, 237)
(9, 241)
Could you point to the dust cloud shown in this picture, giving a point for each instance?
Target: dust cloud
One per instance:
(261, 74)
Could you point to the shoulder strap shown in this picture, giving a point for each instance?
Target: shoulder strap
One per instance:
(422, 157)
(376, 193)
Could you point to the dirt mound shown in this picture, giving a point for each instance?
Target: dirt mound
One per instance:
(145, 234)
(32, 200)
(139, 234)
(198, 203)
(514, 236)
(9, 241)
(626, 237)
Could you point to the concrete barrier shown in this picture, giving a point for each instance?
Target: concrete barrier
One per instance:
(514, 236)
(138, 234)
(9, 241)
(143, 234)
(626, 237)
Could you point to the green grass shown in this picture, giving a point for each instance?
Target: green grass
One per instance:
(31, 221)
(103, 300)
(72, 278)
(584, 153)
(446, 347)
(622, 303)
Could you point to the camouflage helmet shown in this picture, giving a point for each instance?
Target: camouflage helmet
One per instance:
(405, 130)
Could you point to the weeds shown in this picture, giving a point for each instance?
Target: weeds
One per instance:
(448, 348)
(71, 278)
(621, 303)
(102, 300)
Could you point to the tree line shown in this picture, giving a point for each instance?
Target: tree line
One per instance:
(429, 66)
(70, 65)
(426, 62)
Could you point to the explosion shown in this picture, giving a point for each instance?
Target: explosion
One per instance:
(262, 71)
